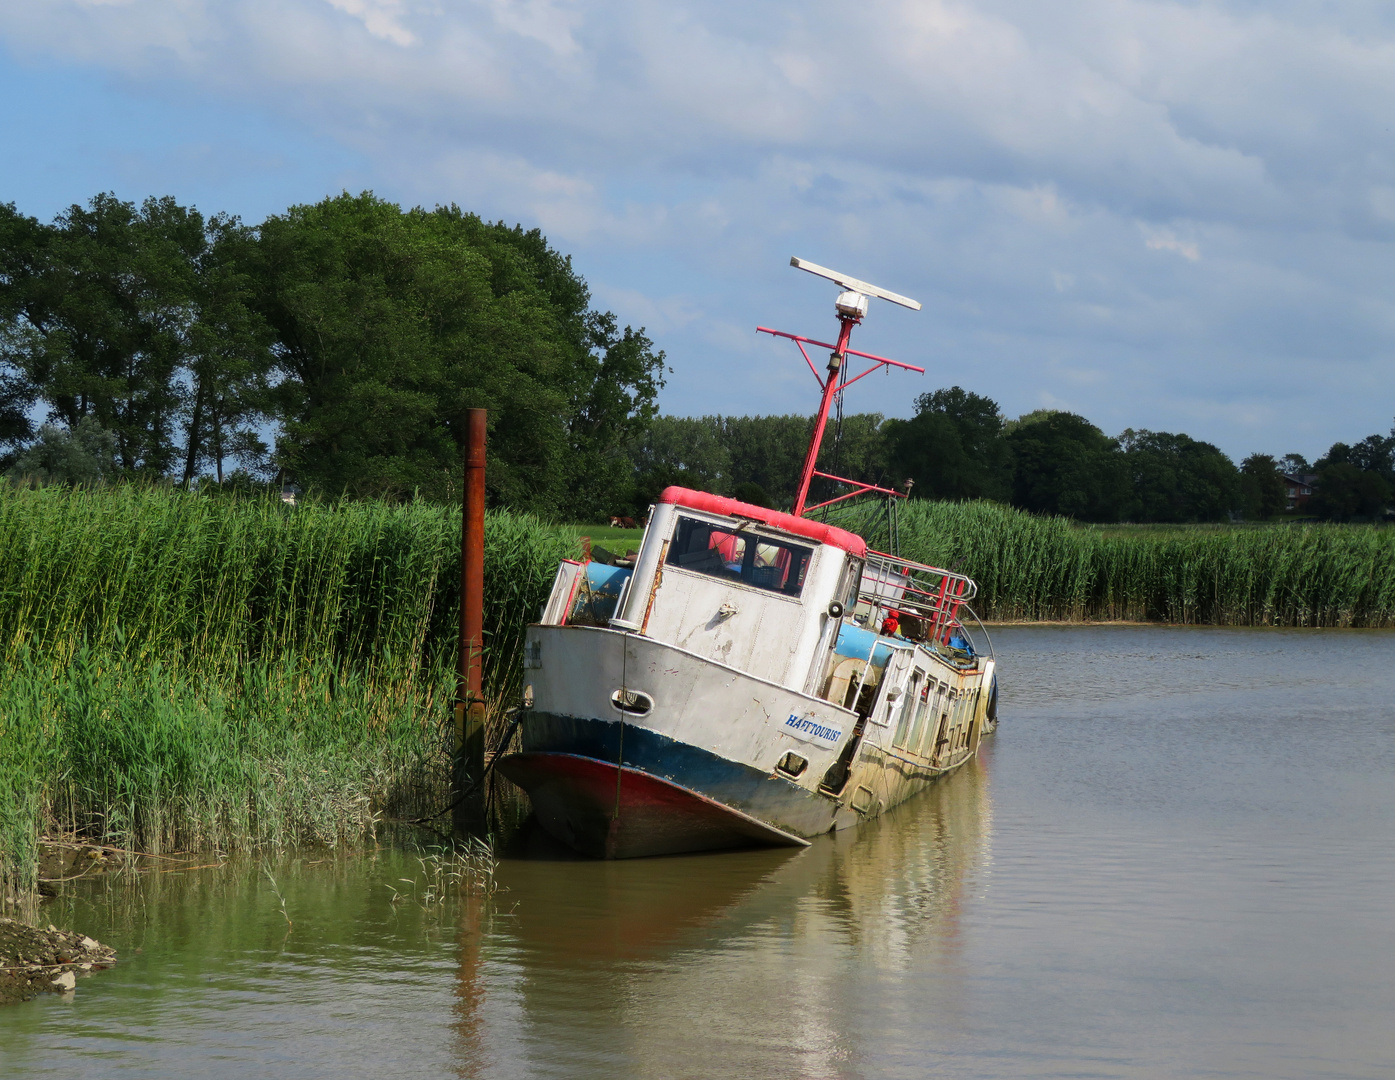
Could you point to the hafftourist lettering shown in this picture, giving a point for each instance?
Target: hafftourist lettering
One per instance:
(807, 728)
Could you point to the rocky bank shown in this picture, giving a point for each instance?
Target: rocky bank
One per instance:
(37, 961)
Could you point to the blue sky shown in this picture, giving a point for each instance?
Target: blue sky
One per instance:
(1176, 216)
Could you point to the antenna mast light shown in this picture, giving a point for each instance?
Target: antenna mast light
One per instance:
(852, 309)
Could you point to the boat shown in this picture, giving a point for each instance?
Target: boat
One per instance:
(749, 676)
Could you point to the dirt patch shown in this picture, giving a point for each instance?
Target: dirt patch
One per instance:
(36, 961)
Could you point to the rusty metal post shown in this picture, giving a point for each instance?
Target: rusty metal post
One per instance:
(469, 699)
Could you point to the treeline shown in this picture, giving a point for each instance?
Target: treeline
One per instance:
(958, 446)
(336, 345)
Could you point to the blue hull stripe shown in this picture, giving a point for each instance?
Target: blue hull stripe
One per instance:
(769, 798)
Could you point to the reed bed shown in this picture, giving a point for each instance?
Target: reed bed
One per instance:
(181, 671)
(209, 584)
(185, 671)
(1048, 568)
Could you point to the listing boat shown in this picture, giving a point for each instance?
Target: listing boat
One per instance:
(749, 676)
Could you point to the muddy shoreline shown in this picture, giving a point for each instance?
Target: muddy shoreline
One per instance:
(35, 960)
(38, 958)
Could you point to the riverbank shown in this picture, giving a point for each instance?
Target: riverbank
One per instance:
(36, 961)
(187, 672)
(196, 672)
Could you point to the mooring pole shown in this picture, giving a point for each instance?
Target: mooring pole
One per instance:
(469, 687)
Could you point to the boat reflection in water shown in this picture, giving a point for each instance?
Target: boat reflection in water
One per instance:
(750, 962)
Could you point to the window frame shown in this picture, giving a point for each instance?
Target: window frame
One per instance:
(752, 538)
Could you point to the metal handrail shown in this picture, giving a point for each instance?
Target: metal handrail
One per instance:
(926, 592)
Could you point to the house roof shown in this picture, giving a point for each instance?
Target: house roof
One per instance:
(814, 530)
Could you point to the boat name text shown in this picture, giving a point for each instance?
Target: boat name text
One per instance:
(806, 727)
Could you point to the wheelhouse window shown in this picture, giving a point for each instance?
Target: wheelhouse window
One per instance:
(739, 555)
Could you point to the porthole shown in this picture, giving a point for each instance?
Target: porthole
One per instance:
(634, 702)
(791, 764)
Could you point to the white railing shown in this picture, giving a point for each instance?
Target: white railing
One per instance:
(920, 594)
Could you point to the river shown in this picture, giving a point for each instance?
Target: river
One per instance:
(1176, 857)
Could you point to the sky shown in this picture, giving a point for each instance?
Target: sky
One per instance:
(1177, 216)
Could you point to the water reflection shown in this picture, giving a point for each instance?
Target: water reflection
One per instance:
(1177, 859)
(746, 962)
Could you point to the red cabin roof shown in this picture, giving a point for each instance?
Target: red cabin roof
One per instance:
(814, 530)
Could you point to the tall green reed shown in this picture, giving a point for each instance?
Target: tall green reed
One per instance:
(147, 757)
(187, 671)
(213, 584)
(1047, 568)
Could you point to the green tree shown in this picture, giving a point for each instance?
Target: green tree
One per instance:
(1063, 464)
(722, 453)
(1345, 491)
(749, 492)
(390, 324)
(83, 455)
(98, 311)
(1355, 481)
(1262, 494)
(228, 356)
(854, 448)
(953, 448)
(1176, 478)
(22, 241)
(769, 451)
(690, 451)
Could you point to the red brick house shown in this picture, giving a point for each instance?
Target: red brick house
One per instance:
(1299, 488)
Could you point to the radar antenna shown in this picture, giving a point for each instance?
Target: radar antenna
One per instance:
(851, 306)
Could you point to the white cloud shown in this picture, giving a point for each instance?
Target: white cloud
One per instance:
(552, 24)
(1166, 240)
(998, 159)
(381, 18)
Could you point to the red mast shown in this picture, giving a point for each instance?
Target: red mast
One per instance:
(852, 306)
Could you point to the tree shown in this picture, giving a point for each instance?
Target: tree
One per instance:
(83, 455)
(768, 451)
(1176, 478)
(1063, 464)
(953, 448)
(688, 451)
(21, 242)
(615, 401)
(1345, 491)
(101, 310)
(228, 356)
(106, 314)
(390, 324)
(753, 493)
(1262, 493)
(854, 448)
(1355, 481)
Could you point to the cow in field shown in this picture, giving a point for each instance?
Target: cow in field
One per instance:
(623, 523)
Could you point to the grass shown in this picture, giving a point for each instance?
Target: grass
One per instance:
(189, 672)
(213, 584)
(617, 541)
(1045, 568)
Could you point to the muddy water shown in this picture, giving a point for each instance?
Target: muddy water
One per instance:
(1176, 858)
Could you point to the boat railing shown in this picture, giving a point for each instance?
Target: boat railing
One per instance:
(928, 595)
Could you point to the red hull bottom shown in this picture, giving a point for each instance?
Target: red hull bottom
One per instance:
(576, 800)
